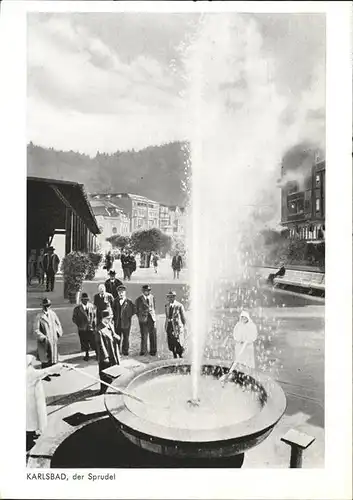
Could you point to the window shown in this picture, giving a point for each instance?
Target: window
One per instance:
(317, 204)
(317, 180)
(293, 187)
(296, 206)
(114, 230)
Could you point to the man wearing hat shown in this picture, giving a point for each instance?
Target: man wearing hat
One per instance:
(175, 322)
(107, 348)
(47, 330)
(51, 265)
(146, 313)
(103, 300)
(84, 317)
(112, 283)
(123, 311)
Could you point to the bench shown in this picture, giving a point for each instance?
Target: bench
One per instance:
(302, 278)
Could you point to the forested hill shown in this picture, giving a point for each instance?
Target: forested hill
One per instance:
(156, 172)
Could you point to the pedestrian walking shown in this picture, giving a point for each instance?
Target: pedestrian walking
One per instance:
(123, 311)
(85, 318)
(155, 259)
(51, 266)
(40, 267)
(107, 348)
(109, 259)
(103, 300)
(47, 330)
(112, 283)
(146, 313)
(175, 323)
(177, 264)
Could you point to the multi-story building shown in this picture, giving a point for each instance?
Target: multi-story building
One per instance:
(177, 220)
(142, 212)
(303, 200)
(111, 220)
(165, 224)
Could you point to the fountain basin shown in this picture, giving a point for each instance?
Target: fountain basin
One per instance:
(227, 422)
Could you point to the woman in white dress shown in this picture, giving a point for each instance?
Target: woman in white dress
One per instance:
(244, 335)
(36, 408)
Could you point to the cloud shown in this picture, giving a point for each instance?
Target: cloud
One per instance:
(74, 76)
(120, 78)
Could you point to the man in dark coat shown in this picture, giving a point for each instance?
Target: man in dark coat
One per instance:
(112, 283)
(146, 313)
(107, 348)
(51, 265)
(123, 311)
(84, 317)
(177, 264)
(103, 300)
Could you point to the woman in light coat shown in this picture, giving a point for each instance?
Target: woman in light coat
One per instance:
(244, 335)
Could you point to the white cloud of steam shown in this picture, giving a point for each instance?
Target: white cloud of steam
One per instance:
(238, 137)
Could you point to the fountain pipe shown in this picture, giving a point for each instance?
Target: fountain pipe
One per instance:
(116, 389)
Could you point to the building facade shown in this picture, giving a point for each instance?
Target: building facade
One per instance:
(141, 212)
(111, 220)
(303, 201)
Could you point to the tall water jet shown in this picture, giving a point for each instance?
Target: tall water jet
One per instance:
(236, 141)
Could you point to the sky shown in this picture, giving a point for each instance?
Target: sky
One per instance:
(115, 81)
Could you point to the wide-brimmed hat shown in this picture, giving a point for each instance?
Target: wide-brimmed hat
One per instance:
(106, 313)
(112, 272)
(46, 302)
(146, 287)
(121, 287)
(84, 296)
(171, 293)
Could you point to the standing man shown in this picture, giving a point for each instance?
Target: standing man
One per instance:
(125, 265)
(123, 311)
(103, 300)
(107, 348)
(175, 325)
(40, 266)
(177, 264)
(112, 283)
(47, 329)
(51, 265)
(84, 317)
(146, 313)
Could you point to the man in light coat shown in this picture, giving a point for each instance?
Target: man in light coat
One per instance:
(146, 313)
(51, 266)
(175, 322)
(84, 317)
(47, 330)
(123, 311)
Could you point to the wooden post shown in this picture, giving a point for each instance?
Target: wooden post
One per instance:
(298, 442)
(68, 230)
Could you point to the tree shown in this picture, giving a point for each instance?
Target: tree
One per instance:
(150, 240)
(119, 241)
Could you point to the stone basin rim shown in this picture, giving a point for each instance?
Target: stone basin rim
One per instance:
(261, 422)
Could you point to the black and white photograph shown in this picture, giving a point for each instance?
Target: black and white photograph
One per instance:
(176, 174)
